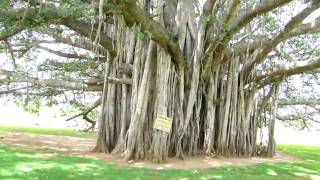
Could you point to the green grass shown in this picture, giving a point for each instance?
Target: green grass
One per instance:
(46, 131)
(43, 164)
(23, 164)
(308, 153)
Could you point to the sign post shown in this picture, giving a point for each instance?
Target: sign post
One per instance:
(163, 123)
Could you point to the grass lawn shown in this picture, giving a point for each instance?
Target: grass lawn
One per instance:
(46, 131)
(23, 164)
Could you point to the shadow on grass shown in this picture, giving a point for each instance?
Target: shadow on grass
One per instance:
(17, 164)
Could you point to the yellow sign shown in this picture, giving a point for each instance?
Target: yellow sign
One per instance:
(163, 123)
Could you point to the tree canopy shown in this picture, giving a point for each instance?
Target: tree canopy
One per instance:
(221, 70)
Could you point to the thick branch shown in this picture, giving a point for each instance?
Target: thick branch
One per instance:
(4, 35)
(307, 28)
(133, 14)
(290, 69)
(80, 42)
(68, 55)
(85, 29)
(218, 45)
(288, 102)
(87, 111)
(264, 40)
(52, 14)
(264, 7)
(13, 77)
(232, 11)
(283, 35)
(296, 117)
(119, 80)
(12, 91)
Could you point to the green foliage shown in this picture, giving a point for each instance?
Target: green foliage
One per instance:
(302, 47)
(9, 24)
(38, 19)
(68, 8)
(75, 66)
(2, 48)
(76, 8)
(210, 19)
(57, 31)
(271, 23)
(113, 7)
(29, 104)
(5, 4)
(6, 23)
(138, 34)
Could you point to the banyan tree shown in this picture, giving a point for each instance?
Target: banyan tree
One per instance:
(209, 68)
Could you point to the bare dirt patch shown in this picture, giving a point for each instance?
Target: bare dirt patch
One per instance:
(82, 147)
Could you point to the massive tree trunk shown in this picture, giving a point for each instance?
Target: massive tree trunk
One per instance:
(183, 70)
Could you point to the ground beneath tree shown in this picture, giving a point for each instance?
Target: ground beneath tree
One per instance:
(82, 147)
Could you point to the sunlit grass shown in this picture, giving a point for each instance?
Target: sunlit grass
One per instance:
(23, 164)
(48, 164)
(46, 131)
(308, 153)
